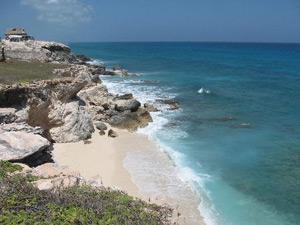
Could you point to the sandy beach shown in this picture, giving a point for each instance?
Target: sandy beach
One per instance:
(132, 163)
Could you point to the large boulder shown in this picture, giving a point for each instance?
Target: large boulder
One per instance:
(15, 146)
(123, 105)
(131, 120)
(70, 122)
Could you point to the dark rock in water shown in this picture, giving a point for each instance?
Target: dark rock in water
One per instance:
(83, 58)
(102, 132)
(125, 96)
(123, 105)
(101, 126)
(97, 69)
(131, 120)
(150, 108)
(172, 103)
(112, 133)
(171, 125)
(116, 70)
(117, 67)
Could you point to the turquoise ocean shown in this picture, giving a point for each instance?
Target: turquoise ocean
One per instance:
(237, 133)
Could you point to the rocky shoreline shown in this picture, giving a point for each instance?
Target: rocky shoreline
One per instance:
(71, 108)
(61, 110)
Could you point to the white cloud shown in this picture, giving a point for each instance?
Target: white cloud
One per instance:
(64, 12)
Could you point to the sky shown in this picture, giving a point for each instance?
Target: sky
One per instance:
(155, 20)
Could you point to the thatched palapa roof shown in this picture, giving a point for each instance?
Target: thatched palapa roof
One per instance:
(16, 31)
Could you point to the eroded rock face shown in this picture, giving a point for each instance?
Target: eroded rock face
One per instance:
(15, 146)
(42, 51)
(83, 72)
(65, 108)
(52, 105)
(76, 122)
(22, 126)
(7, 115)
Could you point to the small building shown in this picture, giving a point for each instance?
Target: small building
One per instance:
(17, 35)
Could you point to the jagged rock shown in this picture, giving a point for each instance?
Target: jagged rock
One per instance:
(172, 103)
(7, 115)
(22, 126)
(150, 108)
(74, 123)
(22, 115)
(131, 120)
(96, 95)
(40, 51)
(83, 72)
(125, 96)
(66, 92)
(19, 145)
(123, 105)
(53, 105)
(101, 126)
(117, 70)
(83, 58)
(112, 133)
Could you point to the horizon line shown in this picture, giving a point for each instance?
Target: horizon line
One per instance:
(224, 42)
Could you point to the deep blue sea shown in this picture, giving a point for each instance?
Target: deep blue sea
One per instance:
(238, 128)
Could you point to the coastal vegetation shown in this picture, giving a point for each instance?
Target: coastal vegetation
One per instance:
(22, 203)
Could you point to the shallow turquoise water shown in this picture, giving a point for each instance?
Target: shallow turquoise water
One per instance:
(240, 136)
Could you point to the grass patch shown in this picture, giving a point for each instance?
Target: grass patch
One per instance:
(13, 71)
(22, 203)
(7, 168)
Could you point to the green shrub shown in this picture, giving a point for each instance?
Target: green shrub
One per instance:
(22, 203)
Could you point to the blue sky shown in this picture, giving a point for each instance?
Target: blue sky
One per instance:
(155, 20)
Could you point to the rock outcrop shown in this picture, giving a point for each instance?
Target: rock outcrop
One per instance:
(70, 122)
(65, 108)
(52, 105)
(16, 146)
(42, 51)
(61, 110)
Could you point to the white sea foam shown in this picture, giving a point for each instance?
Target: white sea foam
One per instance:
(96, 62)
(204, 91)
